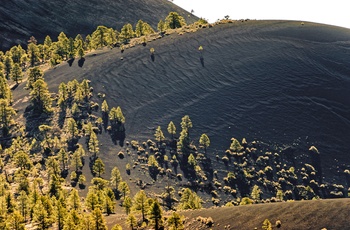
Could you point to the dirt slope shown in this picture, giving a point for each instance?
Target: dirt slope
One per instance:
(329, 214)
(332, 214)
(275, 81)
(21, 19)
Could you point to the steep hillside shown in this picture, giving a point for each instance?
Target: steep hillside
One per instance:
(279, 82)
(22, 19)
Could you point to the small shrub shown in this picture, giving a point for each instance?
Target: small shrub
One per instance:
(314, 150)
(214, 193)
(209, 222)
(227, 189)
(179, 176)
(73, 176)
(229, 204)
(81, 179)
(121, 154)
(217, 183)
(246, 201)
(127, 168)
(278, 224)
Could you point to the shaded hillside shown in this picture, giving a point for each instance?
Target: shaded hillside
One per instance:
(275, 81)
(22, 19)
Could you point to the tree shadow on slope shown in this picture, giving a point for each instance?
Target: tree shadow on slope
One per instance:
(81, 62)
(70, 62)
(34, 119)
(202, 61)
(117, 133)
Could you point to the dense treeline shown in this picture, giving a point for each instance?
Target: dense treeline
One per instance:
(54, 52)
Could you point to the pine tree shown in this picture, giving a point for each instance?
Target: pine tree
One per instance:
(88, 43)
(126, 33)
(174, 20)
(34, 74)
(23, 203)
(42, 216)
(186, 124)
(127, 204)
(22, 160)
(116, 116)
(190, 200)
(175, 221)
(124, 189)
(161, 26)
(255, 195)
(17, 53)
(48, 41)
(143, 28)
(33, 53)
(204, 141)
(152, 162)
(192, 160)
(98, 167)
(17, 74)
(48, 47)
(71, 48)
(6, 114)
(63, 157)
(171, 129)
(8, 65)
(85, 89)
(169, 195)
(104, 107)
(60, 212)
(98, 220)
(40, 97)
(62, 45)
(109, 201)
(100, 36)
(155, 213)
(139, 29)
(74, 200)
(131, 221)
(91, 200)
(10, 202)
(76, 162)
(72, 220)
(159, 135)
(16, 221)
(72, 129)
(5, 91)
(141, 203)
(94, 145)
(115, 178)
(112, 37)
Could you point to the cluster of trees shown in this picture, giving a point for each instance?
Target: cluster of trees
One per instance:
(17, 59)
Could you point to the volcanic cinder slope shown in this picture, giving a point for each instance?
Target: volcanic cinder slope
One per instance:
(21, 19)
(279, 82)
